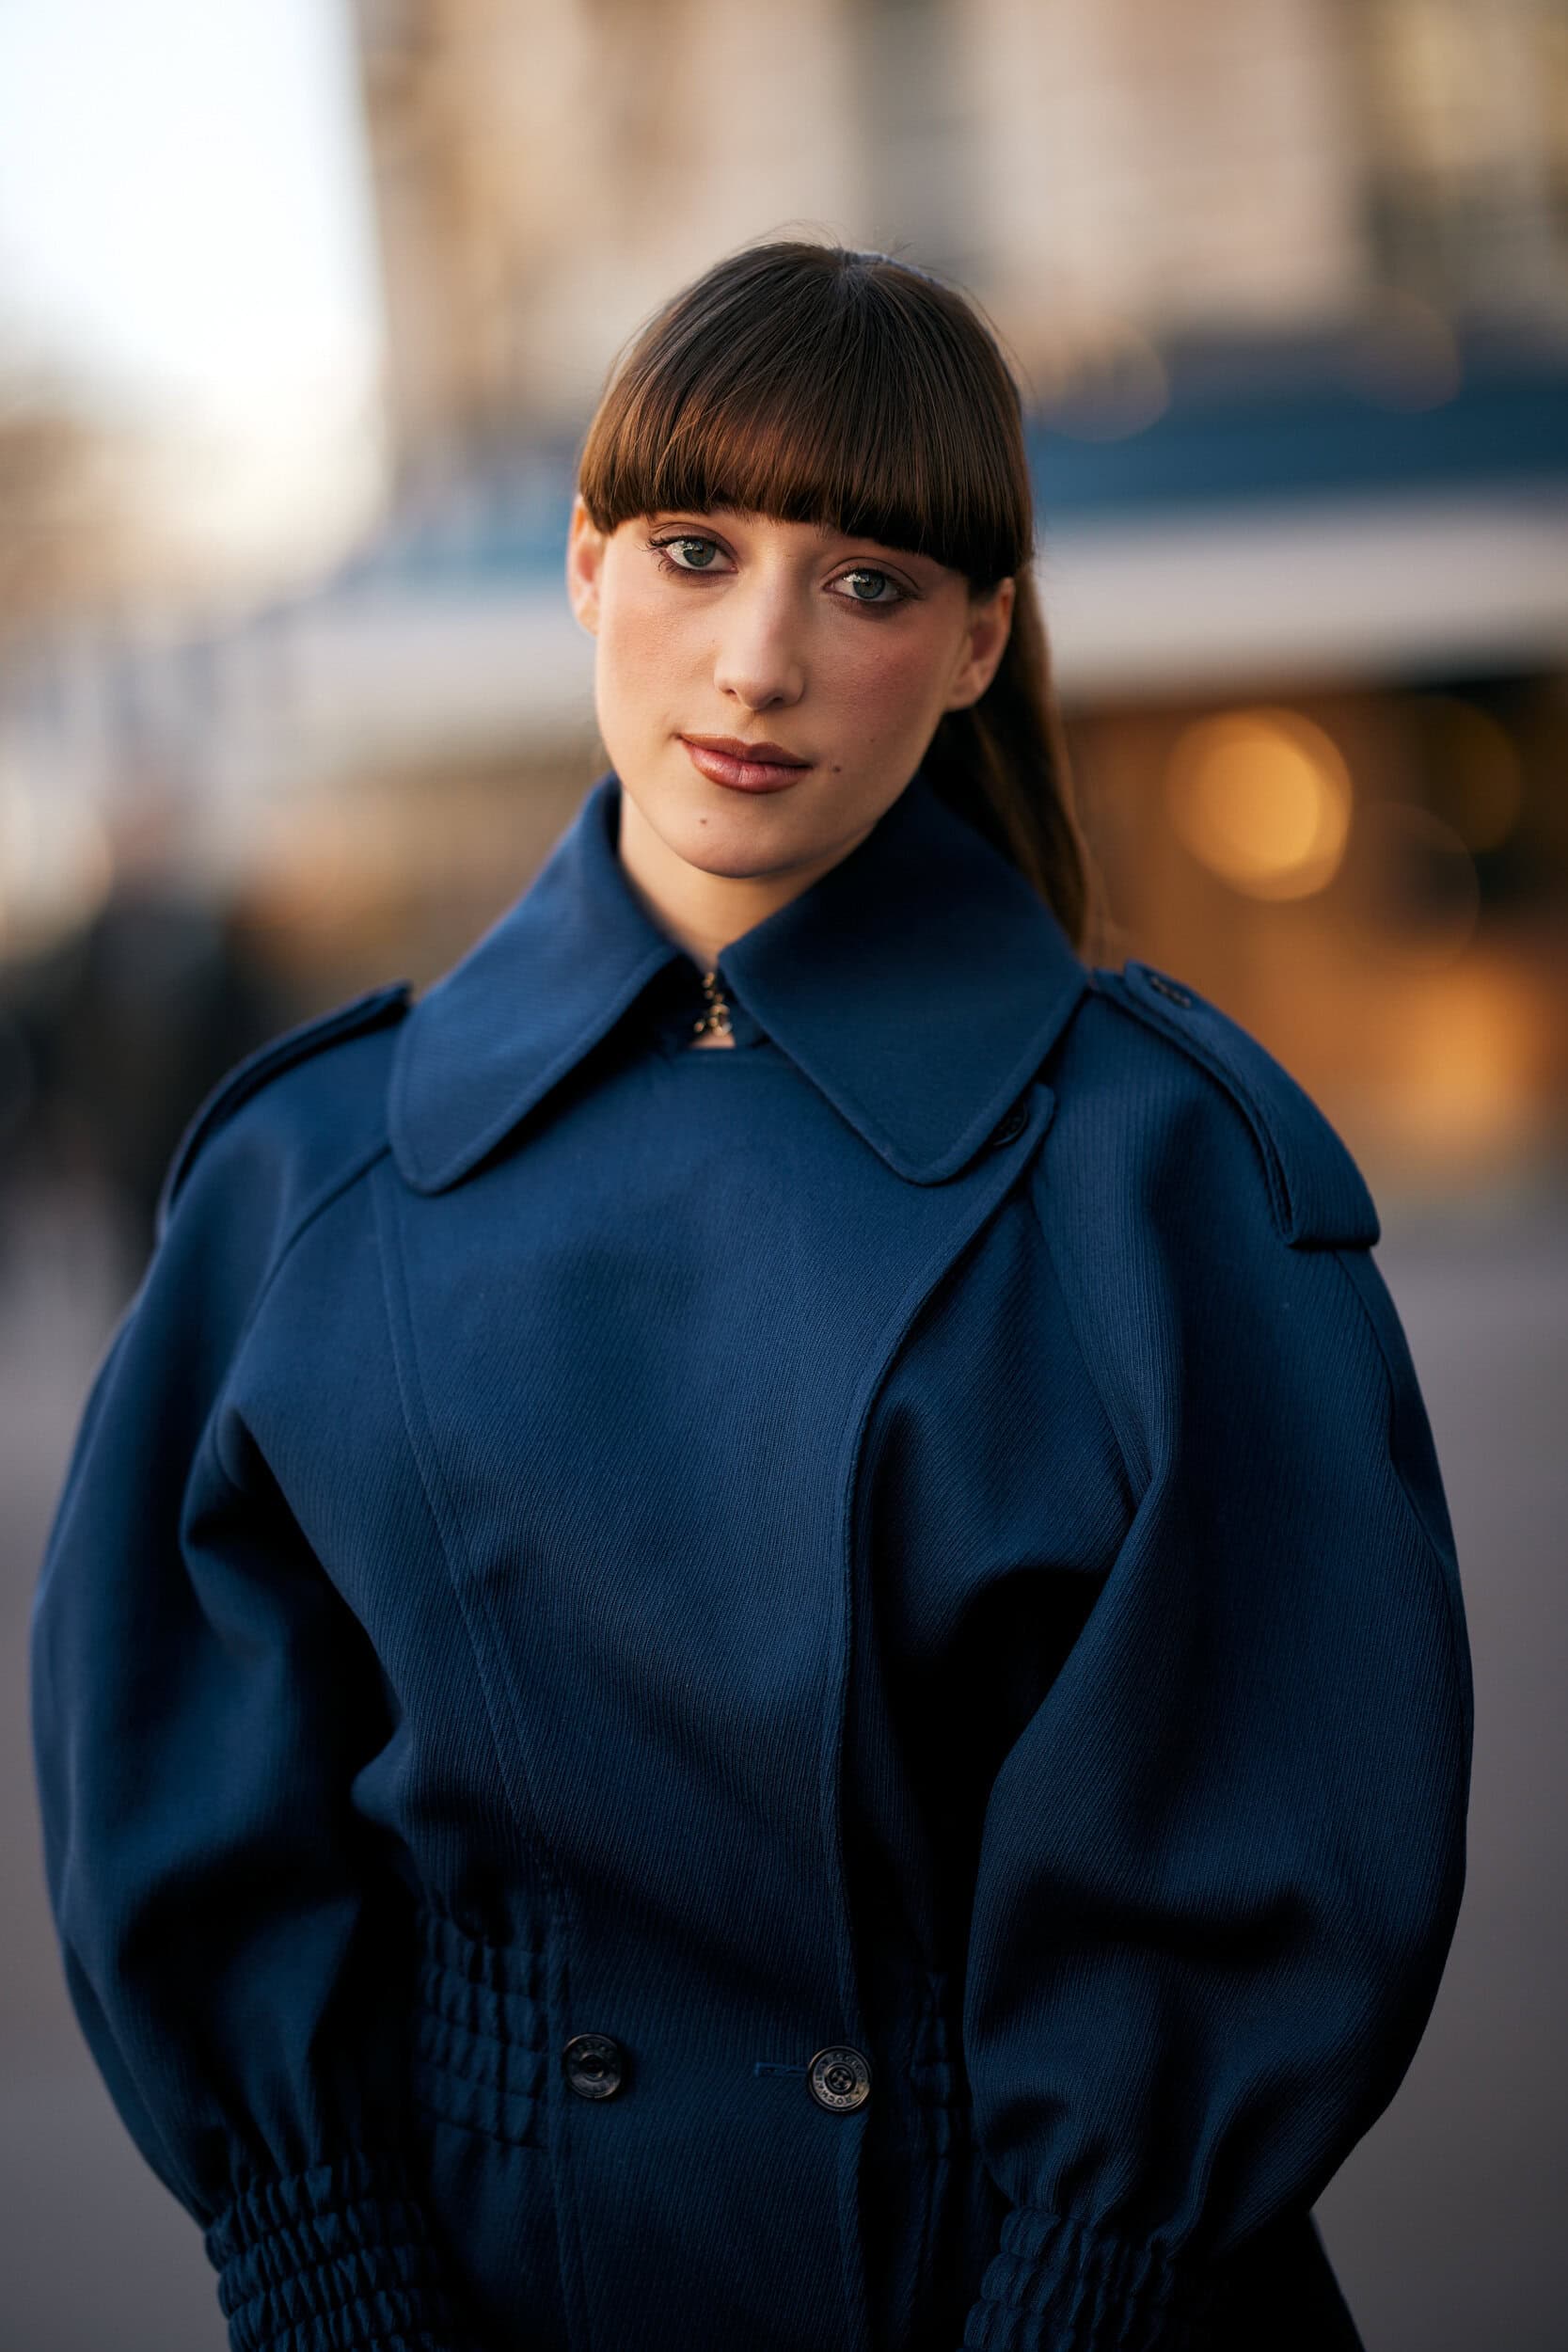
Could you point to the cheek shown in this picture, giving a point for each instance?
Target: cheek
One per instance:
(643, 642)
(890, 674)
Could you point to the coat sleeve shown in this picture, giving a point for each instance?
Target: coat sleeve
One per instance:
(201, 1700)
(1221, 1864)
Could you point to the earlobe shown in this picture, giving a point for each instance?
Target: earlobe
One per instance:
(993, 630)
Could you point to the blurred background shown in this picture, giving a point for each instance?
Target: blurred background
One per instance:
(304, 307)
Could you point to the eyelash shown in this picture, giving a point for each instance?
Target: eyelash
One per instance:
(680, 571)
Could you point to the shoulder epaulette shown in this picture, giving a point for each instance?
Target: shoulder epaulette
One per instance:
(265, 1061)
(1318, 1194)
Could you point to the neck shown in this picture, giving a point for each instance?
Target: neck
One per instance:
(703, 912)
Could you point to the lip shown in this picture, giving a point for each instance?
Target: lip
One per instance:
(745, 767)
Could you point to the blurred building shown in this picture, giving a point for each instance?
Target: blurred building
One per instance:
(1286, 283)
(1098, 170)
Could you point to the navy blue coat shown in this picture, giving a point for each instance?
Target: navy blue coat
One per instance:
(802, 1698)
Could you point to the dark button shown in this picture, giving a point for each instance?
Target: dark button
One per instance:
(839, 2078)
(594, 2064)
(1011, 1124)
(1166, 987)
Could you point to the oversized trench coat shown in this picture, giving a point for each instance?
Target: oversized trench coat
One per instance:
(890, 1772)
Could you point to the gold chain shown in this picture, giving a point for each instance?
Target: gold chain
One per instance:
(715, 1019)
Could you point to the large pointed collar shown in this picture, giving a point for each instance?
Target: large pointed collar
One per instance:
(918, 984)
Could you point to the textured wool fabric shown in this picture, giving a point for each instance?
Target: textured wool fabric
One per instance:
(917, 1533)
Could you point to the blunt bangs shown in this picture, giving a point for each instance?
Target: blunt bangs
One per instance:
(805, 384)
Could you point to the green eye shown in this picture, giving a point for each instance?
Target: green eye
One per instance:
(867, 572)
(682, 539)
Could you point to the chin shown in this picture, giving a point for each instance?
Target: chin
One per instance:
(740, 842)
(744, 834)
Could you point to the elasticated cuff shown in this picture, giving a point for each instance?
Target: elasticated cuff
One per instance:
(1057, 2287)
(336, 2259)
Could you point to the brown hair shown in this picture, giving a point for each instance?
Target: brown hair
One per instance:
(814, 383)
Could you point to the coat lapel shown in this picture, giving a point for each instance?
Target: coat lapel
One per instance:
(917, 984)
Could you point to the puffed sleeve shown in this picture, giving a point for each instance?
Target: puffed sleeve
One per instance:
(201, 1700)
(1221, 1864)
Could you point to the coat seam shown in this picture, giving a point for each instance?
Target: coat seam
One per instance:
(1129, 1484)
(431, 1476)
(259, 1068)
(1234, 1089)
(332, 1191)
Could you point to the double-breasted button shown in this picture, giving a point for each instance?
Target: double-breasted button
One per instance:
(1011, 1124)
(594, 2064)
(839, 2078)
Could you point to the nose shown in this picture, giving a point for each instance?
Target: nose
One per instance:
(759, 661)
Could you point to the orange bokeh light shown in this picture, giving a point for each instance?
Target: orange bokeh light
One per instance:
(1263, 799)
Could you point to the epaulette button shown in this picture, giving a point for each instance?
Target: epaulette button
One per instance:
(1011, 1124)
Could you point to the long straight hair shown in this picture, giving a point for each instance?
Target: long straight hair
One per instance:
(814, 383)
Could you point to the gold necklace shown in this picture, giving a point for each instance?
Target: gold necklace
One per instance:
(713, 1020)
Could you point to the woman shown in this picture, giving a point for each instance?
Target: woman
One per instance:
(819, 1705)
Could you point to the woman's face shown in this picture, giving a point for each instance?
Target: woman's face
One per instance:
(840, 652)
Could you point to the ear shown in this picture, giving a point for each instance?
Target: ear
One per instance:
(985, 641)
(585, 547)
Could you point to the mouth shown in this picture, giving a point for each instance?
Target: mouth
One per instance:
(745, 767)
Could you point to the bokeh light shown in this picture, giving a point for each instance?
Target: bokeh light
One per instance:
(1263, 799)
